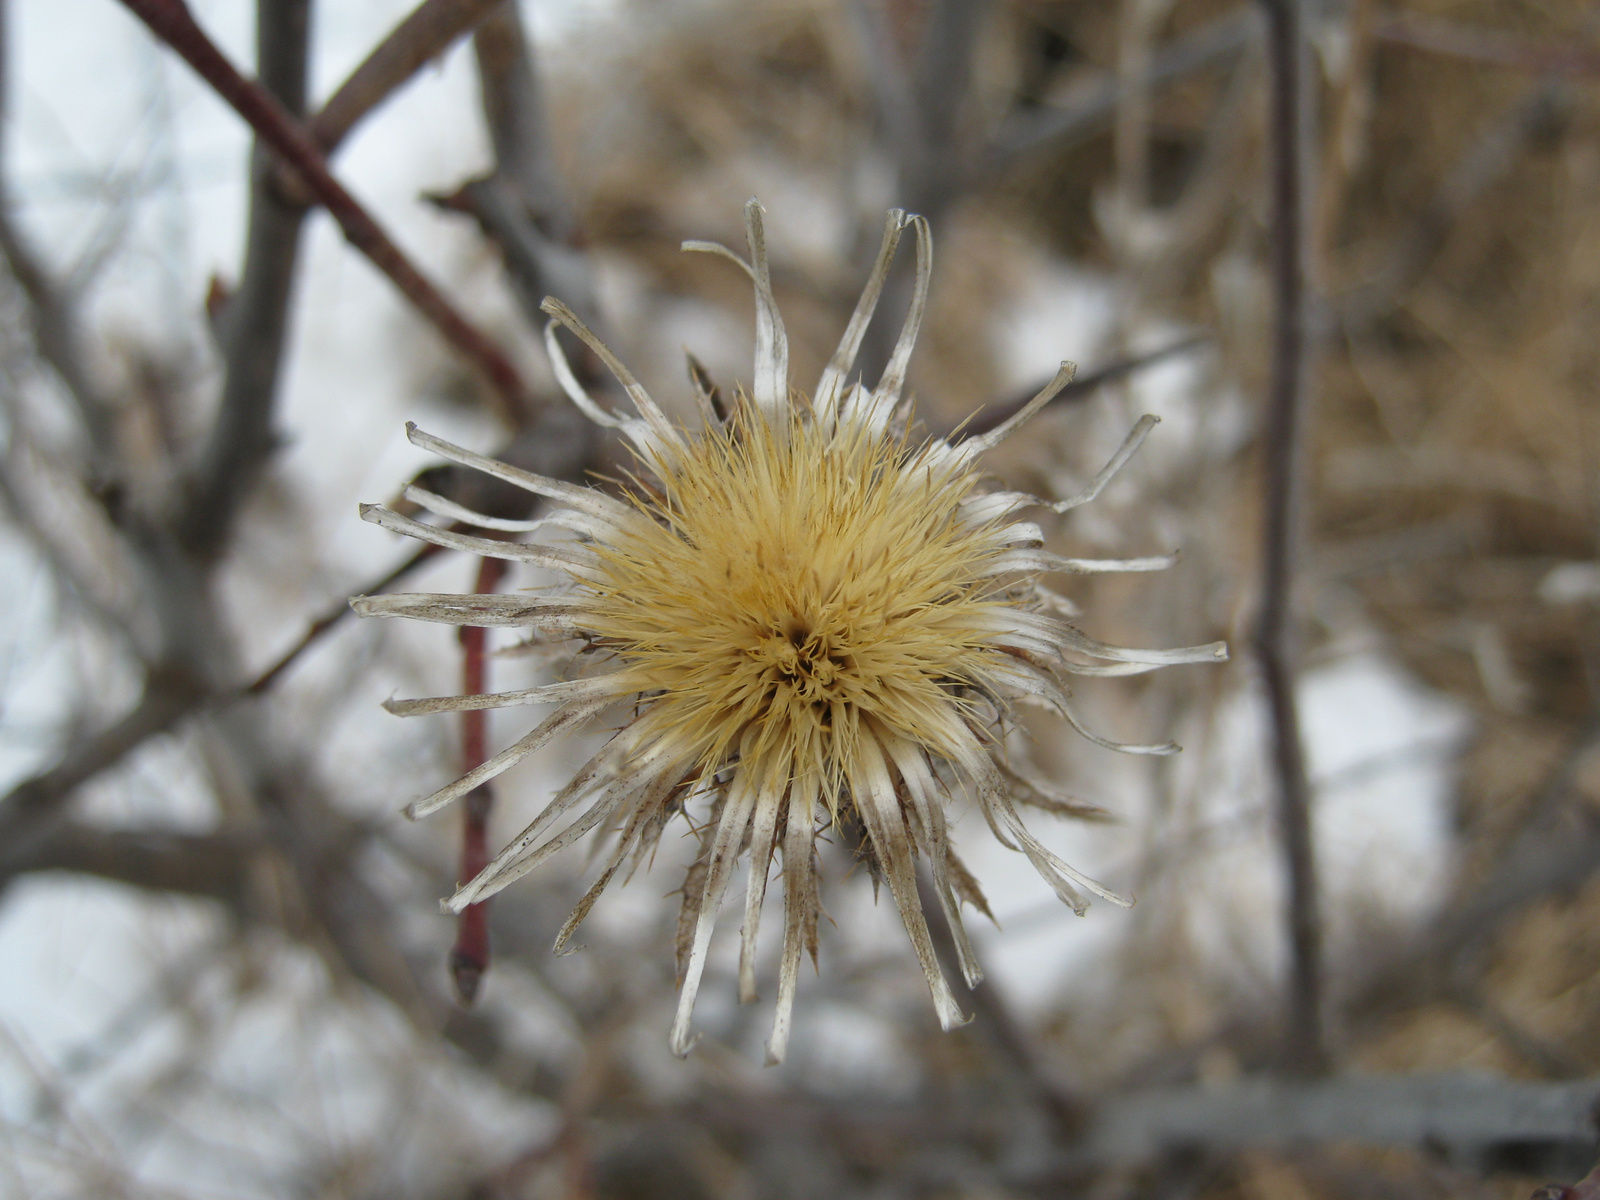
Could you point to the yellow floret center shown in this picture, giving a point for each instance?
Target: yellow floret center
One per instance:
(786, 589)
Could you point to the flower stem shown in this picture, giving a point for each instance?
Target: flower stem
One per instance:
(469, 957)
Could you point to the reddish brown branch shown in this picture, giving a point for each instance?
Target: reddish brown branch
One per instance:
(172, 22)
(469, 957)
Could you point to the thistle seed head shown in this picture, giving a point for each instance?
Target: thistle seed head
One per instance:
(812, 617)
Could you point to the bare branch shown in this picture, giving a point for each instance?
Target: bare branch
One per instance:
(254, 321)
(55, 336)
(335, 613)
(55, 331)
(514, 108)
(522, 205)
(1008, 1041)
(342, 913)
(208, 865)
(1485, 163)
(921, 94)
(921, 98)
(1472, 1116)
(426, 32)
(1083, 385)
(171, 21)
(1489, 46)
(169, 696)
(34, 806)
(1216, 42)
(1303, 1050)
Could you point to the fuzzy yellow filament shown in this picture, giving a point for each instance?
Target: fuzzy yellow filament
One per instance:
(798, 587)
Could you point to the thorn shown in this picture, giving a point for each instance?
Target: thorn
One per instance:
(467, 975)
(218, 293)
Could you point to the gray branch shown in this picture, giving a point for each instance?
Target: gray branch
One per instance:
(424, 34)
(522, 205)
(1212, 44)
(1282, 498)
(34, 807)
(1472, 1118)
(254, 320)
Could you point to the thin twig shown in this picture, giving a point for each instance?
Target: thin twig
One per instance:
(1083, 385)
(55, 332)
(1303, 1047)
(427, 31)
(1216, 42)
(1485, 163)
(33, 807)
(335, 613)
(169, 697)
(55, 337)
(172, 22)
(102, 603)
(1490, 46)
(1008, 1041)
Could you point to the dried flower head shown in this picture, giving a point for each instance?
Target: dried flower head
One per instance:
(809, 618)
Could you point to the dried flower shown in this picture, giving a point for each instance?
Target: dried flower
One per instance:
(812, 619)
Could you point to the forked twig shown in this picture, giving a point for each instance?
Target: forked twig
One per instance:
(424, 34)
(252, 325)
(1215, 42)
(169, 698)
(172, 22)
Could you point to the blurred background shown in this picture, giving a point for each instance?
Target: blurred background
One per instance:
(223, 972)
